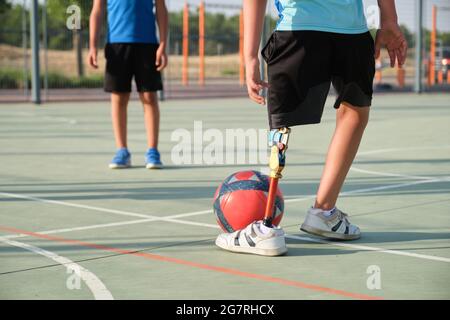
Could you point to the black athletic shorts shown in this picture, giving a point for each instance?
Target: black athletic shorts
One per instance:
(127, 60)
(301, 66)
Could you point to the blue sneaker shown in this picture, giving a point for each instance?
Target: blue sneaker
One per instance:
(153, 159)
(121, 160)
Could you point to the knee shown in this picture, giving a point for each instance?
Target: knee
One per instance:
(149, 99)
(357, 117)
(120, 99)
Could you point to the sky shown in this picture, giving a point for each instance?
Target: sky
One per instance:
(405, 10)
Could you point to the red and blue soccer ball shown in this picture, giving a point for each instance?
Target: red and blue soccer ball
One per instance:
(241, 199)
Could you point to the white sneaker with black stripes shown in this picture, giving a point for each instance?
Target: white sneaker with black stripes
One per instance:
(335, 226)
(252, 240)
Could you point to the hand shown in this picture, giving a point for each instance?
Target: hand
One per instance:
(254, 83)
(391, 37)
(161, 58)
(92, 58)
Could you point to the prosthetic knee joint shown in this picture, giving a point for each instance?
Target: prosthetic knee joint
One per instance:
(278, 142)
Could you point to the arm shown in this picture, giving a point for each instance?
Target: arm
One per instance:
(388, 13)
(389, 35)
(95, 22)
(254, 11)
(162, 19)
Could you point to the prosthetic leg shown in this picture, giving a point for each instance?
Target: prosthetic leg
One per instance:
(278, 142)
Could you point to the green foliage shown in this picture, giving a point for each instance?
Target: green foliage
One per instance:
(60, 37)
(11, 79)
(408, 36)
(4, 6)
(57, 10)
(229, 72)
(11, 26)
(445, 38)
(14, 79)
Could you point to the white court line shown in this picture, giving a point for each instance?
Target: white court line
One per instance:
(364, 153)
(364, 190)
(367, 248)
(388, 174)
(52, 118)
(94, 226)
(94, 284)
(113, 224)
(215, 226)
(347, 245)
(83, 206)
(172, 219)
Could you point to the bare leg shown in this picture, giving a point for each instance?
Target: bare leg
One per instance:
(151, 115)
(350, 124)
(119, 103)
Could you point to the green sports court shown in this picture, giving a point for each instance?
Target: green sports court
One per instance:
(73, 229)
(70, 228)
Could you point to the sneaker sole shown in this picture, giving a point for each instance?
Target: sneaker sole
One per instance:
(328, 234)
(251, 250)
(154, 166)
(119, 166)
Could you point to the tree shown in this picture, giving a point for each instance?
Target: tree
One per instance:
(57, 10)
(4, 6)
(408, 36)
(11, 26)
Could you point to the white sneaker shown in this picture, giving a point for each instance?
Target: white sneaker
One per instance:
(252, 240)
(336, 226)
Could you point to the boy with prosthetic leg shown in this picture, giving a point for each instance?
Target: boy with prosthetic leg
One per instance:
(316, 44)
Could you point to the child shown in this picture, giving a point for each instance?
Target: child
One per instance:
(316, 42)
(132, 50)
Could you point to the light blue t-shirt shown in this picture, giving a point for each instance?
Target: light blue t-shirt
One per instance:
(131, 21)
(339, 16)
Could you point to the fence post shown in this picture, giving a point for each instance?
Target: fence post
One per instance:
(440, 77)
(400, 76)
(45, 43)
(432, 67)
(35, 78)
(419, 46)
(378, 74)
(25, 50)
(201, 43)
(185, 44)
(241, 49)
(78, 47)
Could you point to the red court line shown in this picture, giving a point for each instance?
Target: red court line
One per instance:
(151, 256)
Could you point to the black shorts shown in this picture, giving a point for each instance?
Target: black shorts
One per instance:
(301, 66)
(125, 60)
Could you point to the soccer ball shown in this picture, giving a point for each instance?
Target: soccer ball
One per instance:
(241, 199)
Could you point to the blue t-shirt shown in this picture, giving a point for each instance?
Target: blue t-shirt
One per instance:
(131, 21)
(339, 16)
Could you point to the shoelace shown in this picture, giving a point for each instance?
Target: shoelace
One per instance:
(343, 216)
(121, 155)
(153, 156)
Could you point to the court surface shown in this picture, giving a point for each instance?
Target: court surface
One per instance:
(141, 234)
